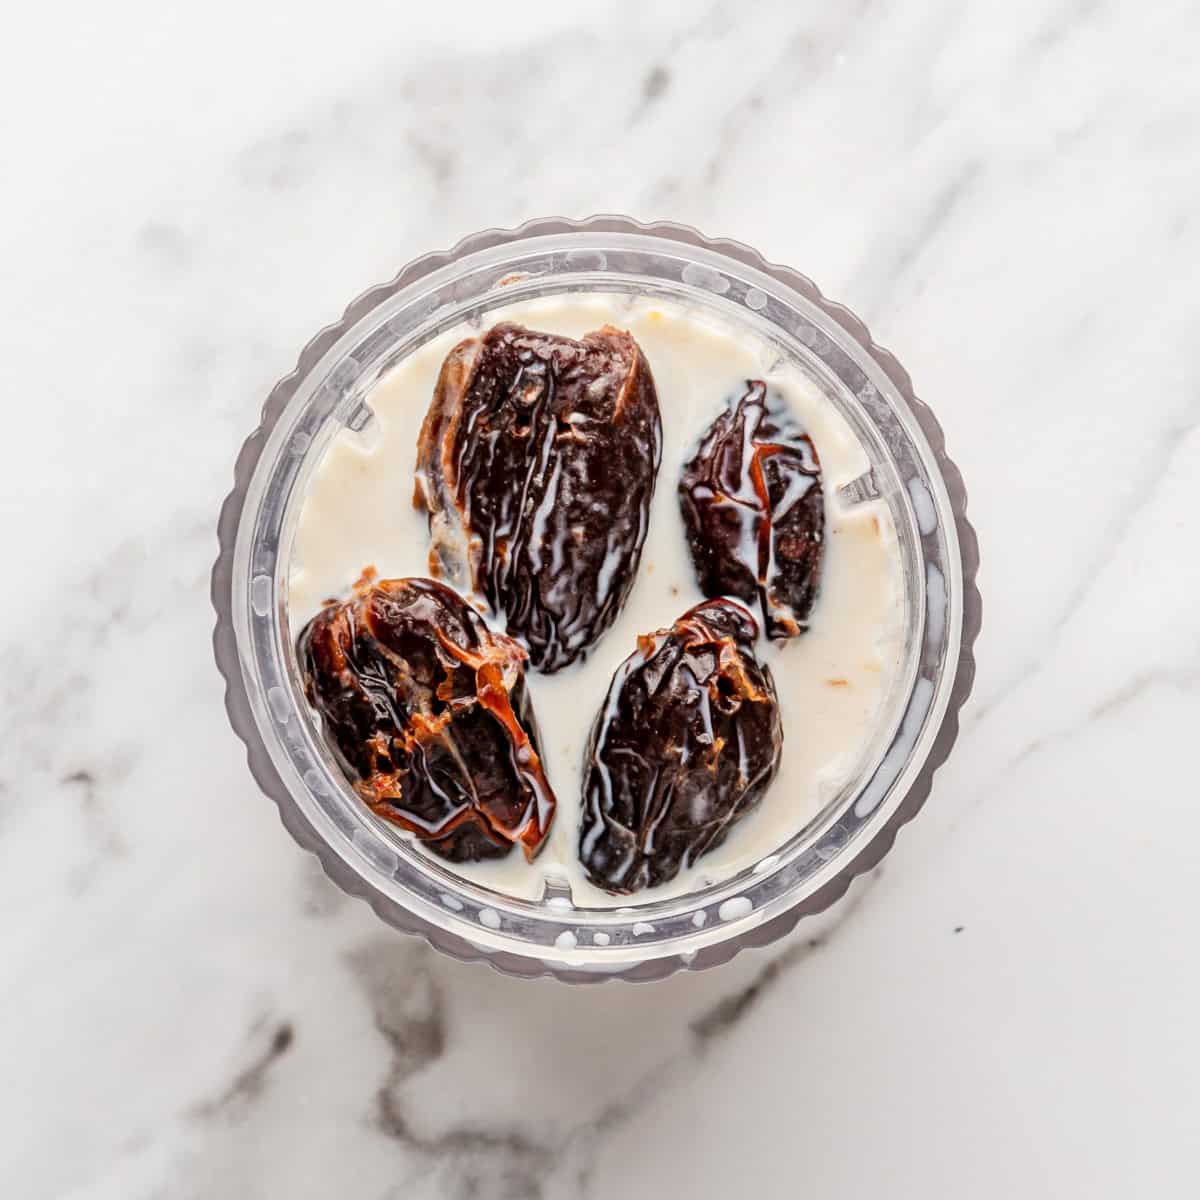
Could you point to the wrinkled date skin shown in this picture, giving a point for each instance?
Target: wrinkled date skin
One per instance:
(687, 743)
(536, 464)
(429, 713)
(754, 510)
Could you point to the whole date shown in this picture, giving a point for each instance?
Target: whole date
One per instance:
(536, 464)
(754, 510)
(686, 743)
(430, 718)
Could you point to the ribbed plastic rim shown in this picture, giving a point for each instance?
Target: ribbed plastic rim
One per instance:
(237, 702)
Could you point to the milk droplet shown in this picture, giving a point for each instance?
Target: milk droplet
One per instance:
(738, 906)
(923, 507)
(278, 703)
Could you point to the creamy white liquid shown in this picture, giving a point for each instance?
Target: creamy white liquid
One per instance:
(831, 681)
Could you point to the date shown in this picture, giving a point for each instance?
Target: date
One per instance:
(536, 464)
(428, 713)
(686, 744)
(754, 510)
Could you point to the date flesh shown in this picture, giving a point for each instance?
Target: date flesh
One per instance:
(754, 510)
(536, 464)
(429, 714)
(687, 742)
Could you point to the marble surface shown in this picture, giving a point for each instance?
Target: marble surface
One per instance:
(1008, 194)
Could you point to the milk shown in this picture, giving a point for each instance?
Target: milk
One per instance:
(831, 681)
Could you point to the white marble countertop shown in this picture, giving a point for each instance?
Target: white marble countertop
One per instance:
(1008, 194)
